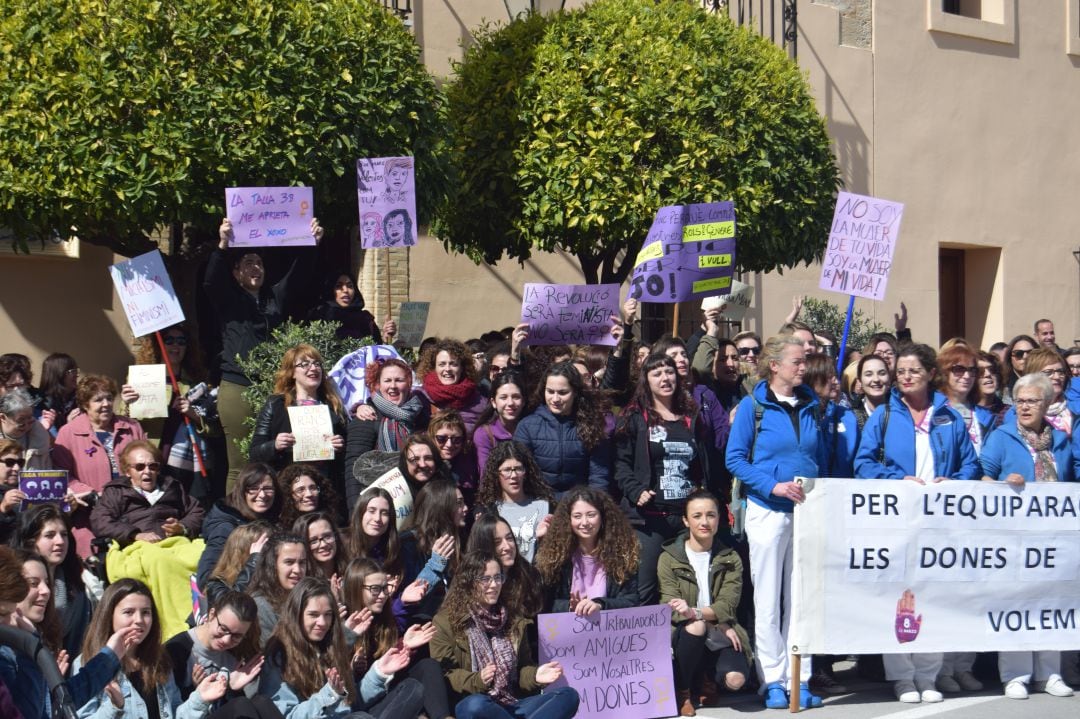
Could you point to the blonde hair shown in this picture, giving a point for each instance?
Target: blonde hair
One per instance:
(773, 351)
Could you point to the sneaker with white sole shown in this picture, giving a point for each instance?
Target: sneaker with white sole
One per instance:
(1056, 687)
(1016, 689)
(967, 682)
(927, 692)
(906, 692)
(948, 684)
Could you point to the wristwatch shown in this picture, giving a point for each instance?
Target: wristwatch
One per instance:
(698, 615)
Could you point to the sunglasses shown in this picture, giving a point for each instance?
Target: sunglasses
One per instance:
(959, 370)
(140, 466)
(453, 439)
(743, 351)
(1020, 354)
(14, 462)
(174, 340)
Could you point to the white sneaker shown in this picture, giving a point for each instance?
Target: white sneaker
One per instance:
(967, 682)
(1056, 687)
(948, 684)
(1016, 689)
(928, 693)
(906, 692)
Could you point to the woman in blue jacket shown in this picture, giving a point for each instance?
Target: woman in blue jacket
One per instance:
(1029, 450)
(567, 433)
(839, 426)
(774, 439)
(918, 437)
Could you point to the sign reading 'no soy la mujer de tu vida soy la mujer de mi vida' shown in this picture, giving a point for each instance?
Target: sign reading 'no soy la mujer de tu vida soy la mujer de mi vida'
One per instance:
(862, 241)
(270, 216)
(569, 314)
(688, 254)
(147, 294)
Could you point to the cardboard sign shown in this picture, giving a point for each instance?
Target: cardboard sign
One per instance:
(737, 304)
(313, 430)
(412, 322)
(147, 293)
(348, 373)
(270, 216)
(42, 486)
(386, 193)
(862, 241)
(569, 314)
(619, 660)
(688, 254)
(149, 381)
(394, 483)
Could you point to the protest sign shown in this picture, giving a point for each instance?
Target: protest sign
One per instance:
(386, 193)
(270, 216)
(688, 254)
(569, 314)
(737, 304)
(619, 660)
(150, 382)
(398, 489)
(862, 241)
(348, 373)
(412, 321)
(42, 486)
(147, 293)
(313, 430)
(955, 566)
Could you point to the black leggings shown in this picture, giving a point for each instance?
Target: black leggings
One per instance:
(258, 707)
(428, 672)
(691, 655)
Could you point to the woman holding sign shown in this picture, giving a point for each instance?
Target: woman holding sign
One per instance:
(1029, 450)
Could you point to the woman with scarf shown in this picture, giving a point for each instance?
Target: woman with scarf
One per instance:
(1050, 364)
(449, 376)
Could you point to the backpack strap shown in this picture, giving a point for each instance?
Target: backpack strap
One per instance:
(884, 431)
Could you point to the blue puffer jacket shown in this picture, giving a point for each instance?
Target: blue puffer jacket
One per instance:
(1005, 453)
(839, 440)
(954, 455)
(562, 458)
(780, 454)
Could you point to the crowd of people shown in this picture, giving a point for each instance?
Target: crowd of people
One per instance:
(540, 479)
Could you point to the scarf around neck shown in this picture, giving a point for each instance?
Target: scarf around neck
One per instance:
(457, 396)
(1040, 445)
(396, 422)
(490, 643)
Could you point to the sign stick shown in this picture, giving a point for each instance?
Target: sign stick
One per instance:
(843, 340)
(795, 672)
(675, 321)
(176, 391)
(389, 285)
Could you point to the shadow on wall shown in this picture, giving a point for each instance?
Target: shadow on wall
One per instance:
(68, 306)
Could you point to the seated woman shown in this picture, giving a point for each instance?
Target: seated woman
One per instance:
(589, 559)
(513, 487)
(238, 560)
(36, 612)
(498, 422)
(281, 566)
(304, 489)
(491, 536)
(448, 374)
(373, 531)
(1029, 449)
(701, 579)
(307, 671)
(447, 430)
(327, 553)
(431, 546)
(482, 642)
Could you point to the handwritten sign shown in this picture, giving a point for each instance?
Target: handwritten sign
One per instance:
(348, 373)
(270, 216)
(689, 253)
(386, 193)
(147, 293)
(398, 489)
(737, 304)
(619, 660)
(569, 314)
(412, 322)
(313, 430)
(862, 241)
(42, 486)
(149, 381)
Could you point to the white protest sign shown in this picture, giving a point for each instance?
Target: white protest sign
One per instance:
(394, 483)
(270, 216)
(888, 566)
(313, 430)
(150, 382)
(147, 293)
(412, 322)
(862, 241)
(737, 304)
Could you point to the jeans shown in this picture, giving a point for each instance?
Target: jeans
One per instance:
(561, 703)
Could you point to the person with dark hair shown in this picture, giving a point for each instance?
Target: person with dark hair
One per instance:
(498, 421)
(373, 531)
(420, 462)
(431, 547)
(397, 228)
(448, 374)
(247, 312)
(478, 348)
(304, 489)
(1044, 332)
(522, 587)
(567, 434)
(989, 386)
(875, 381)
(513, 487)
(327, 551)
(451, 437)
(238, 559)
(1072, 359)
(717, 360)
(1013, 364)
(837, 424)
(14, 373)
(496, 360)
(343, 303)
(884, 345)
(59, 378)
(11, 497)
(482, 642)
(36, 612)
(282, 563)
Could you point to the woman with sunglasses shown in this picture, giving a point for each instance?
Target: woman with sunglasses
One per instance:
(11, 497)
(498, 421)
(989, 386)
(1048, 362)
(448, 431)
(957, 379)
(1014, 362)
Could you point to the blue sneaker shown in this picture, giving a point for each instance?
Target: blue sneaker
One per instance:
(776, 697)
(806, 699)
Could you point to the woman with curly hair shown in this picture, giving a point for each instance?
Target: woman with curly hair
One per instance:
(282, 564)
(513, 487)
(448, 373)
(307, 672)
(567, 434)
(304, 489)
(500, 419)
(491, 535)
(482, 641)
(327, 552)
(589, 560)
(431, 547)
(452, 440)
(299, 382)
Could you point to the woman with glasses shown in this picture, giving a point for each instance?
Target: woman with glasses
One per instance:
(11, 497)
(59, 378)
(327, 552)
(883, 345)
(498, 422)
(1072, 359)
(1014, 363)
(1048, 362)
(748, 345)
(513, 487)
(989, 385)
(304, 489)
(491, 535)
(482, 641)
(957, 378)
(448, 373)
(917, 437)
(448, 431)
(17, 423)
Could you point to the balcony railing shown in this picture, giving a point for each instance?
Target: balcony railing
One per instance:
(774, 19)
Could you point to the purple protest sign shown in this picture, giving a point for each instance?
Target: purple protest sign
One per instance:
(44, 485)
(689, 253)
(385, 188)
(862, 241)
(569, 314)
(619, 660)
(270, 216)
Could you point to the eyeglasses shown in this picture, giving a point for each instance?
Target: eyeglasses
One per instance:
(512, 471)
(225, 632)
(959, 370)
(1055, 372)
(453, 439)
(306, 364)
(14, 462)
(301, 491)
(987, 371)
(885, 354)
(743, 351)
(140, 466)
(493, 579)
(377, 589)
(179, 341)
(1027, 402)
(1020, 354)
(1074, 368)
(323, 539)
(910, 372)
(75, 370)
(255, 491)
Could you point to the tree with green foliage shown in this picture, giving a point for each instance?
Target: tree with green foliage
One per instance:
(122, 117)
(569, 131)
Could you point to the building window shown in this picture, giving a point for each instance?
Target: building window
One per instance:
(993, 20)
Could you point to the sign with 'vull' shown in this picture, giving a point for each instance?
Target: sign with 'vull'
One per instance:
(862, 242)
(146, 293)
(270, 216)
(569, 314)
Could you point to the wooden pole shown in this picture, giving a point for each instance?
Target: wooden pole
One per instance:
(675, 322)
(200, 464)
(795, 672)
(389, 288)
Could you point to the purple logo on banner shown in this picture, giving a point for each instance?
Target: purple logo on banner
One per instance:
(569, 314)
(386, 192)
(348, 373)
(619, 660)
(689, 253)
(44, 485)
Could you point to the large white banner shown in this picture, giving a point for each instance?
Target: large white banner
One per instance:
(887, 566)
